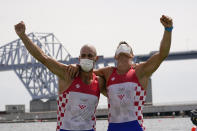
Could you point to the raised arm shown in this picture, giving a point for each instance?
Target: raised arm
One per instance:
(154, 61)
(55, 67)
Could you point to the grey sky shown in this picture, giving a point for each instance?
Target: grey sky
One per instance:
(104, 23)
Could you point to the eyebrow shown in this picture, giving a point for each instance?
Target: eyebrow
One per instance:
(88, 54)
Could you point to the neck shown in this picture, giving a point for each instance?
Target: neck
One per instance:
(86, 77)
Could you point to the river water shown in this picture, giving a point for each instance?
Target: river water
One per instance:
(156, 124)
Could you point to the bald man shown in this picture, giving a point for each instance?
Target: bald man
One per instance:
(77, 97)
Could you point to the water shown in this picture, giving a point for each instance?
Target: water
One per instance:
(161, 124)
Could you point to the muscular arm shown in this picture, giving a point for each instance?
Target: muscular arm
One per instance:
(103, 72)
(54, 66)
(151, 65)
(99, 72)
(63, 84)
(102, 86)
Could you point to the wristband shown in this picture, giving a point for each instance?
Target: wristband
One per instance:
(169, 29)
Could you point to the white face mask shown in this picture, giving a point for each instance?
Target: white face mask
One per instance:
(86, 64)
(123, 49)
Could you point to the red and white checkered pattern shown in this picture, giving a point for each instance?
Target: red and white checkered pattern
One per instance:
(61, 104)
(139, 92)
(78, 92)
(139, 100)
(62, 101)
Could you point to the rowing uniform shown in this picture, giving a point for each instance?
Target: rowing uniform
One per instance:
(126, 98)
(194, 128)
(77, 106)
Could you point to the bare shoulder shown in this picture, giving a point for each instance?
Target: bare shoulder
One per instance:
(66, 69)
(139, 69)
(107, 68)
(64, 84)
(105, 71)
(135, 65)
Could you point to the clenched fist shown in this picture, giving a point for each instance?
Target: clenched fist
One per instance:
(166, 21)
(20, 28)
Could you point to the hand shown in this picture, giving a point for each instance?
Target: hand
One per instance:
(73, 70)
(166, 21)
(134, 65)
(20, 28)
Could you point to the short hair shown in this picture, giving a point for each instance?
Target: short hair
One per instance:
(89, 46)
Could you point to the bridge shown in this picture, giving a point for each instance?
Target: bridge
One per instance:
(40, 82)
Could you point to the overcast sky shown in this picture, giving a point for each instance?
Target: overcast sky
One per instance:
(104, 23)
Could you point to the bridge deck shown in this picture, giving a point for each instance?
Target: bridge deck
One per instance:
(100, 112)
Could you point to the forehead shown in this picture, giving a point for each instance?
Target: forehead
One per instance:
(87, 50)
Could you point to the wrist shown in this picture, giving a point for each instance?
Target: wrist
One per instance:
(169, 29)
(21, 34)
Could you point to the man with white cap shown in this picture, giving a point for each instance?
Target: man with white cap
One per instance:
(126, 86)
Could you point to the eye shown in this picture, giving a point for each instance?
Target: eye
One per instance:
(83, 55)
(90, 55)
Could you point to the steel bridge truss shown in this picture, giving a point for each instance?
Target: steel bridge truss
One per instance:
(37, 79)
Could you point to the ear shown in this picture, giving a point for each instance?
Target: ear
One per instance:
(97, 58)
(132, 56)
(115, 57)
(79, 58)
